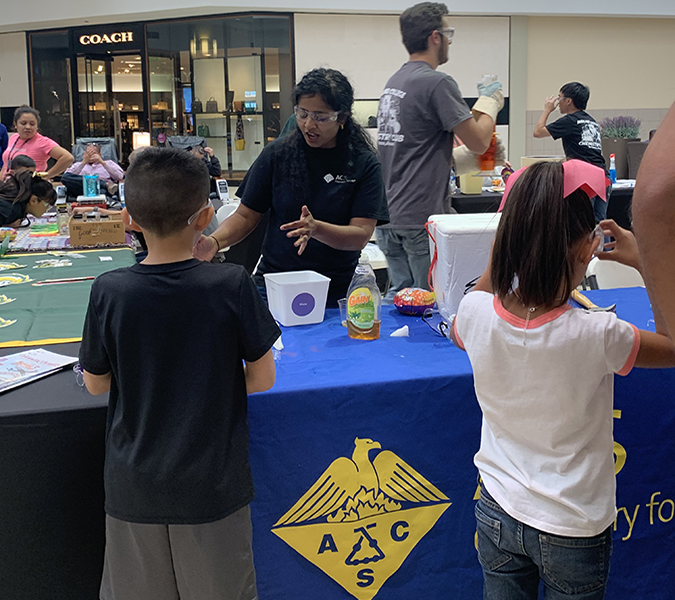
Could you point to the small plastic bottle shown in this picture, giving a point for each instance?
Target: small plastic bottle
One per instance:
(62, 216)
(612, 167)
(453, 180)
(363, 303)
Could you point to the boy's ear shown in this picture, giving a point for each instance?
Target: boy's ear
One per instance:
(204, 218)
(129, 222)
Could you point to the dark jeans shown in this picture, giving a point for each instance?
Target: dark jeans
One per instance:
(515, 556)
(600, 206)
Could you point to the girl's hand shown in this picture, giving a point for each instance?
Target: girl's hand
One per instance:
(303, 229)
(205, 248)
(623, 249)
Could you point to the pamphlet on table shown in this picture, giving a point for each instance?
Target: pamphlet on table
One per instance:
(24, 367)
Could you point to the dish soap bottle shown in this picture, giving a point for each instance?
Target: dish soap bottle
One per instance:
(612, 167)
(363, 303)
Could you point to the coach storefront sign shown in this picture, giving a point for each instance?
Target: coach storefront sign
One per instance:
(121, 37)
(113, 38)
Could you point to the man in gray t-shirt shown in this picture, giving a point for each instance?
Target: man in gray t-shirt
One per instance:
(420, 109)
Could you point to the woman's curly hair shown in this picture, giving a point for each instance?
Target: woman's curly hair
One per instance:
(336, 91)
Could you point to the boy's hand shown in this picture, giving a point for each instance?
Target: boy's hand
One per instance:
(303, 229)
(623, 249)
(205, 248)
(551, 103)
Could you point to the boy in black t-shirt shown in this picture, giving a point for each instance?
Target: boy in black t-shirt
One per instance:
(579, 132)
(178, 343)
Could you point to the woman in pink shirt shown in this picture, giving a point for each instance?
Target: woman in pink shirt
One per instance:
(28, 141)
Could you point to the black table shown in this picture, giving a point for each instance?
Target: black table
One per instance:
(476, 203)
(619, 207)
(52, 528)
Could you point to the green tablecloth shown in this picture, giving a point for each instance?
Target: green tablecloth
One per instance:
(52, 314)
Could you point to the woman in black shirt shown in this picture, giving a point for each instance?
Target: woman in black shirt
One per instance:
(322, 185)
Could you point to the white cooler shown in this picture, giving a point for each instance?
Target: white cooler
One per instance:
(462, 251)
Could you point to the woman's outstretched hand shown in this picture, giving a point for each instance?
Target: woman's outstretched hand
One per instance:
(303, 229)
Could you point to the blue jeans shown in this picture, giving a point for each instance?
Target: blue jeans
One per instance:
(408, 260)
(515, 557)
(600, 206)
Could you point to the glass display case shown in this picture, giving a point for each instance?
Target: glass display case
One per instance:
(228, 80)
(165, 107)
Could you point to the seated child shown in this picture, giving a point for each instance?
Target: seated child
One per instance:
(543, 375)
(20, 163)
(179, 343)
(24, 193)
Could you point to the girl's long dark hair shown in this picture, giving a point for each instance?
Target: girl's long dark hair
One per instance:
(336, 91)
(535, 243)
(20, 187)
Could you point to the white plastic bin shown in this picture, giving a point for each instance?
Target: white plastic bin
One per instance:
(463, 245)
(297, 297)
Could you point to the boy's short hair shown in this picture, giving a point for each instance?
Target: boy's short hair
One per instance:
(22, 162)
(419, 22)
(164, 187)
(577, 92)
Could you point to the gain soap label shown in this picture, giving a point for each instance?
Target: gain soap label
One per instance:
(361, 308)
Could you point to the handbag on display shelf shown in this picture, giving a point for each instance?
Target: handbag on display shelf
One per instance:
(240, 141)
(203, 130)
(162, 105)
(101, 105)
(211, 105)
(197, 106)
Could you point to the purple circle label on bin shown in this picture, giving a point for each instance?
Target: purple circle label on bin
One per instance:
(303, 304)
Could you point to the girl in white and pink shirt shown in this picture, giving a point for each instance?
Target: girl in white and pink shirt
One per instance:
(544, 375)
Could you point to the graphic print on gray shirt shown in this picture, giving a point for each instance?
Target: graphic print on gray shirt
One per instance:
(418, 110)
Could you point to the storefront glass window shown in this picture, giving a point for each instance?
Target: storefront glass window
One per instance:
(50, 77)
(232, 82)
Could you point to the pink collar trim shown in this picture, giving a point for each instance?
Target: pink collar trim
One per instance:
(519, 322)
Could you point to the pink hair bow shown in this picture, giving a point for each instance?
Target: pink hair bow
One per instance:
(578, 175)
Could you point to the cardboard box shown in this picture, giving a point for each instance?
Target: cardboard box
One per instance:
(90, 232)
(462, 251)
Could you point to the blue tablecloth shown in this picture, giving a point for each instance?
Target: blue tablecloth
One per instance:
(402, 412)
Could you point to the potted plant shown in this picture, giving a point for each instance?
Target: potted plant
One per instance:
(616, 132)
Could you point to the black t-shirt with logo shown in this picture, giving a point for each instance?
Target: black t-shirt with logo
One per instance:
(338, 192)
(174, 337)
(580, 135)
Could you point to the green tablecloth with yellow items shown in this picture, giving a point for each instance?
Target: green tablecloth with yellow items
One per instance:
(35, 309)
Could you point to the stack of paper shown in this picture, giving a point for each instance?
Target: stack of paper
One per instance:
(24, 367)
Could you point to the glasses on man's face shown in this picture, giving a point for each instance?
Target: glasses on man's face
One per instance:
(447, 32)
(318, 117)
(193, 217)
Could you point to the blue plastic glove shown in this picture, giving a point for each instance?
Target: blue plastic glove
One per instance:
(489, 89)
